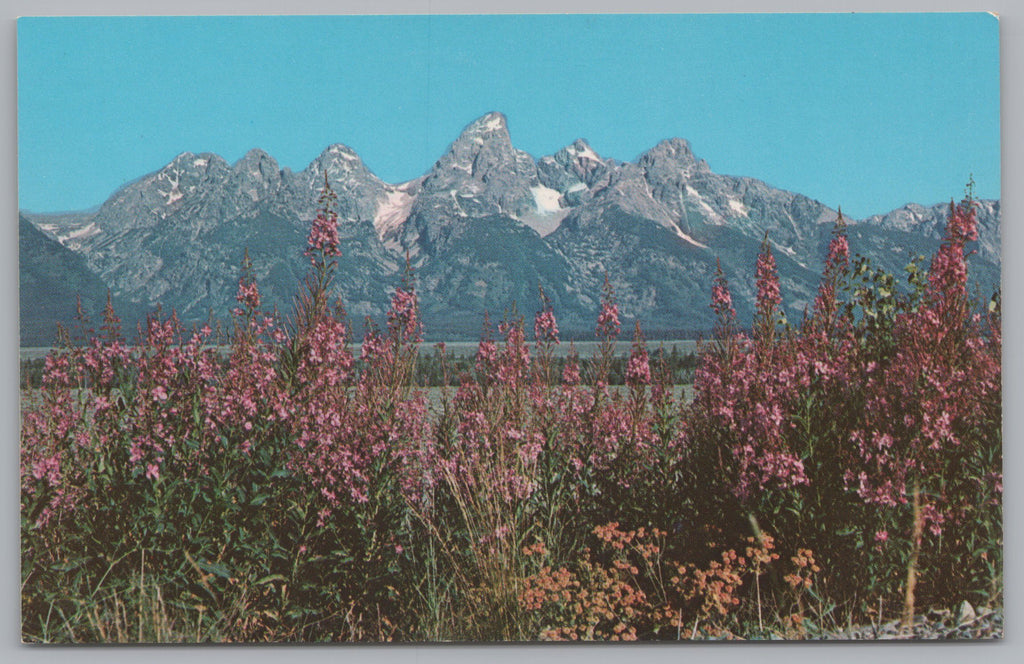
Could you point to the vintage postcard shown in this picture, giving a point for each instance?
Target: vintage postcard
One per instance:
(506, 328)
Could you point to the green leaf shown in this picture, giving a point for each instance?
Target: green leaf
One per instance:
(69, 565)
(219, 569)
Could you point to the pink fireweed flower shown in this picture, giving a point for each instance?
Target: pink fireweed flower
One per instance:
(403, 318)
(638, 369)
(768, 295)
(839, 251)
(767, 314)
(608, 326)
(373, 346)
(486, 356)
(248, 294)
(721, 298)
(947, 277)
(545, 328)
(49, 468)
(57, 371)
(514, 359)
(962, 226)
(836, 265)
(323, 237)
(882, 536)
(571, 371)
(932, 518)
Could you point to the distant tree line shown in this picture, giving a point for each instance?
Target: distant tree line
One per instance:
(431, 370)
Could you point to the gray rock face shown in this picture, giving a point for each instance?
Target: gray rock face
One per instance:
(575, 171)
(482, 228)
(480, 175)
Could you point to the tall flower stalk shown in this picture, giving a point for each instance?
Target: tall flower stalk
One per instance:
(322, 249)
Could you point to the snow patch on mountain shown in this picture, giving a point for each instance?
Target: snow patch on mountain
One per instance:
(173, 177)
(548, 213)
(343, 151)
(88, 230)
(546, 199)
(689, 239)
(494, 123)
(393, 212)
(581, 150)
(71, 236)
(738, 207)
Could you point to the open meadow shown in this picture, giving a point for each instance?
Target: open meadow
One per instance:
(299, 485)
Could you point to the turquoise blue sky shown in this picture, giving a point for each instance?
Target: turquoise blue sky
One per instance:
(867, 111)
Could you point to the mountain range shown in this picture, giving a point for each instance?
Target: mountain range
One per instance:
(481, 229)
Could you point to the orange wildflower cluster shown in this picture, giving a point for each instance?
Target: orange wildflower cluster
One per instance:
(627, 597)
(805, 568)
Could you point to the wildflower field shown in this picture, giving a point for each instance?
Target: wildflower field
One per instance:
(841, 471)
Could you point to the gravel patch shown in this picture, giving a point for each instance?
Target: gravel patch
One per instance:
(967, 623)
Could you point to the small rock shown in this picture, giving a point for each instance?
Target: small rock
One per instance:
(966, 613)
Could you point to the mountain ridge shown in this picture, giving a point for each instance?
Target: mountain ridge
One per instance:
(481, 228)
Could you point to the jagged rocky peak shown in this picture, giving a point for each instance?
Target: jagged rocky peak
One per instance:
(687, 187)
(482, 152)
(162, 191)
(259, 166)
(574, 171)
(257, 161)
(494, 125)
(344, 168)
(357, 187)
(255, 176)
(341, 151)
(193, 161)
(191, 167)
(581, 151)
(339, 161)
(578, 158)
(480, 175)
(673, 154)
